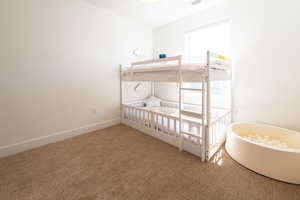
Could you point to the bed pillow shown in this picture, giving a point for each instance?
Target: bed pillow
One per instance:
(153, 102)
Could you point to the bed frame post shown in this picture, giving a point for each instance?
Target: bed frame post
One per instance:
(203, 127)
(207, 108)
(180, 102)
(231, 94)
(121, 95)
(152, 89)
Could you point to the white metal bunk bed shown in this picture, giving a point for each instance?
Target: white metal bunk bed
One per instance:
(201, 132)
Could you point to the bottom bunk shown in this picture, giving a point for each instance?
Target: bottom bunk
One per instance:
(162, 122)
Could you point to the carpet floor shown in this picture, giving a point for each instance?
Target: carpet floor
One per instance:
(120, 163)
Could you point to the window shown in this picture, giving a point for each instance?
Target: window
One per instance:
(216, 38)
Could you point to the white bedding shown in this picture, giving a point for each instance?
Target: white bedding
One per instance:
(169, 72)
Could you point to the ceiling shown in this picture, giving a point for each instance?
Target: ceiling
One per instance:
(156, 12)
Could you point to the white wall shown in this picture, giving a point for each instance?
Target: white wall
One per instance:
(265, 48)
(135, 91)
(59, 73)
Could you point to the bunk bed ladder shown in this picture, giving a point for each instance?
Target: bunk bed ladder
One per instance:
(207, 106)
(189, 113)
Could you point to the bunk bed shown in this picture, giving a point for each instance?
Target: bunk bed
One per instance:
(200, 130)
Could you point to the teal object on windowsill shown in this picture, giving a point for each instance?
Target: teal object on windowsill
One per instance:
(161, 56)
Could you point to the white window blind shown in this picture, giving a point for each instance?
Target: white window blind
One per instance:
(216, 38)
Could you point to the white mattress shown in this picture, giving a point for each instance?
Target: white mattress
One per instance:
(168, 72)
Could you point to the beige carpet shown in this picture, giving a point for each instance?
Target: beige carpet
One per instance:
(122, 163)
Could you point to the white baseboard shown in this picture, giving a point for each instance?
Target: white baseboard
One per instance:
(55, 137)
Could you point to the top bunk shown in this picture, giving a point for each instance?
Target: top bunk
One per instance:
(172, 69)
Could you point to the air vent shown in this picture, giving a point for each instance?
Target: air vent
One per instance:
(195, 2)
